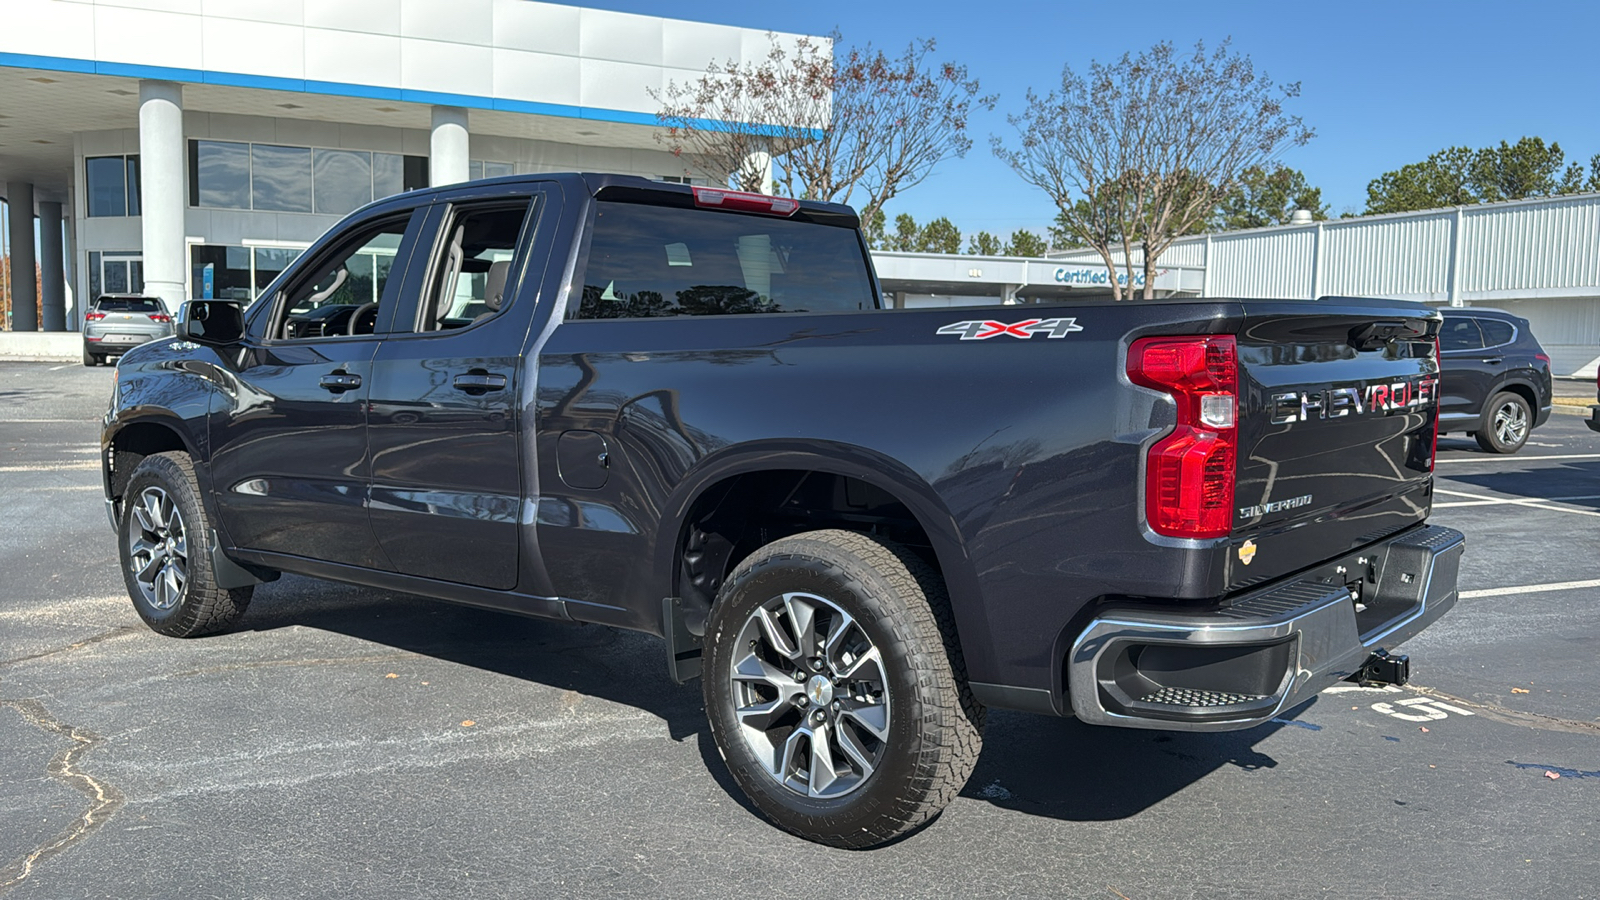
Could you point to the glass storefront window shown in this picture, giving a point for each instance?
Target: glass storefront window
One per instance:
(113, 185)
(483, 168)
(280, 178)
(219, 174)
(269, 262)
(343, 180)
(115, 272)
(107, 183)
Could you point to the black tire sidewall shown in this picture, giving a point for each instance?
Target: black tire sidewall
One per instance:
(1486, 432)
(890, 786)
(162, 472)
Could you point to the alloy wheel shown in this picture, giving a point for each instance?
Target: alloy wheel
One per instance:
(811, 695)
(158, 548)
(1511, 423)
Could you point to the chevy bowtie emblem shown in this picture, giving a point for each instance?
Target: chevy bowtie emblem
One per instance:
(1247, 552)
(982, 330)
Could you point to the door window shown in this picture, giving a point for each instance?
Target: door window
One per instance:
(341, 295)
(1460, 334)
(472, 278)
(1496, 332)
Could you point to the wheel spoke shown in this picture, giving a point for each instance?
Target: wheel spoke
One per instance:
(823, 774)
(873, 718)
(174, 585)
(152, 567)
(869, 657)
(851, 745)
(785, 760)
(141, 514)
(803, 616)
(842, 623)
(180, 546)
(754, 668)
(780, 641)
(760, 716)
(158, 515)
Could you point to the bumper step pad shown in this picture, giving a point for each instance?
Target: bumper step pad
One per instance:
(1193, 697)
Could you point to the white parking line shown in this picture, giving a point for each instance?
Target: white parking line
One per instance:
(1487, 459)
(55, 467)
(59, 368)
(1532, 588)
(1530, 502)
(1497, 501)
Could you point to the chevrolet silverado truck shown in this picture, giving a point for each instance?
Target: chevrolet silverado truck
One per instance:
(680, 410)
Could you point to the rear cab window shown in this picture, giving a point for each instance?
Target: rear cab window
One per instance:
(654, 261)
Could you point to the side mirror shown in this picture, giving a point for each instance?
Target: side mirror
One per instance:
(213, 322)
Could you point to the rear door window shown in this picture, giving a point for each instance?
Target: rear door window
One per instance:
(1460, 334)
(648, 261)
(1496, 332)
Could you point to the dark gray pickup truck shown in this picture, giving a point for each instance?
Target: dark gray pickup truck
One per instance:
(679, 410)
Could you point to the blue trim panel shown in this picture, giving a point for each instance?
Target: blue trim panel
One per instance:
(342, 89)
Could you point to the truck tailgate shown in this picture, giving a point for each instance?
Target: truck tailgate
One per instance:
(1337, 410)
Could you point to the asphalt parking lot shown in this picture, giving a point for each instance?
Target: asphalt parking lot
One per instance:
(351, 742)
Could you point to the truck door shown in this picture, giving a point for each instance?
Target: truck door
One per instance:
(447, 493)
(289, 464)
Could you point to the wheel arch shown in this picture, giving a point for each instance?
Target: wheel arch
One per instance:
(720, 471)
(129, 441)
(1521, 388)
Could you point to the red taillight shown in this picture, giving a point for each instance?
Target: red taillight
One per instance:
(160, 317)
(1541, 357)
(1433, 452)
(1189, 474)
(93, 316)
(743, 201)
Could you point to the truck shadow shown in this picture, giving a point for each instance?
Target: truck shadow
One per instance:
(1057, 768)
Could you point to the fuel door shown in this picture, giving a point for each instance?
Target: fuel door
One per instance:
(584, 459)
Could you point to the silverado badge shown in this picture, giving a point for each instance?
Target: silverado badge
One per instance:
(1247, 552)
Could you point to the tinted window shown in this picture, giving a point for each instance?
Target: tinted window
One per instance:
(661, 261)
(280, 178)
(128, 304)
(219, 174)
(1460, 334)
(108, 193)
(343, 180)
(1495, 332)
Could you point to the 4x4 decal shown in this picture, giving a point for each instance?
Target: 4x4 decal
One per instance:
(982, 330)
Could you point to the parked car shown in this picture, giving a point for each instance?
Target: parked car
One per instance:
(116, 322)
(1495, 378)
(679, 410)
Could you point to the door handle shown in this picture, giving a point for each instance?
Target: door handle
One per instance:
(1494, 360)
(478, 382)
(339, 382)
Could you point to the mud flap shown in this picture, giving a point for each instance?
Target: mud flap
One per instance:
(683, 646)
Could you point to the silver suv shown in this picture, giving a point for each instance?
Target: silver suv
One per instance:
(116, 322)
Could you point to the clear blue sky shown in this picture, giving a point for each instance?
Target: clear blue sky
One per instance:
(1384, 83)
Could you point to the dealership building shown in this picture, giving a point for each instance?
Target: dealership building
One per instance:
(192, 148)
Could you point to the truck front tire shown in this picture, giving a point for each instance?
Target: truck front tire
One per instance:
(166, 560)
(836, 689)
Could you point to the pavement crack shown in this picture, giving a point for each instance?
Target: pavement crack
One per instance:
(119, 631)
(1515, 716)
(104, 799)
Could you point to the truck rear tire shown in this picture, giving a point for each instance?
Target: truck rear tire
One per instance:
(164, 536)
(1507, 421)
(836, 689)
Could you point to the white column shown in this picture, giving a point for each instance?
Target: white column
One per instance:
(24, 289)
(52, 269)
(161, 191)
(447, 150)
(757, 166)
(1453, 274)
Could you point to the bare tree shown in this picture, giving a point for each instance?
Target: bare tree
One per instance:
(1141, 151)
(860, 124)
